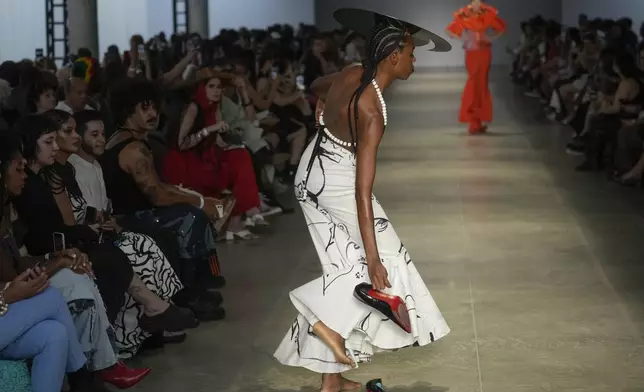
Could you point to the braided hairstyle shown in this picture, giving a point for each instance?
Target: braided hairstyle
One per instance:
(387, 36)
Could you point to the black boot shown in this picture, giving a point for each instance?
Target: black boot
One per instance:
(206, 305)
(85, 381)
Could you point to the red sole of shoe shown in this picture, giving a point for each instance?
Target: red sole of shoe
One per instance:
(127, 382)
(400, 311)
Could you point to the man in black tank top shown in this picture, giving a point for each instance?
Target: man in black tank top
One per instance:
(133, 185)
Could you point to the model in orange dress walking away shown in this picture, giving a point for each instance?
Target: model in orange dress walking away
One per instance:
(470, 25)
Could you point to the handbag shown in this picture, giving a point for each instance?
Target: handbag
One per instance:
(232, 138)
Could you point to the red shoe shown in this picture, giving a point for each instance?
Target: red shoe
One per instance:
(476, 128)
(391, 306)
(124, 377)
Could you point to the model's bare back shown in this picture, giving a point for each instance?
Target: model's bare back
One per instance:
(340, 97)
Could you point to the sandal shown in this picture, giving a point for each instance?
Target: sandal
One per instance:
(244, 235)
(226, 209)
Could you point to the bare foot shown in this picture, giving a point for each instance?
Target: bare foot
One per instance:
(348, 385)
(334, 341)
(337, 383)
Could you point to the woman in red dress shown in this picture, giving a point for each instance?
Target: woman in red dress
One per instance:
(470, 25)
(201, 161)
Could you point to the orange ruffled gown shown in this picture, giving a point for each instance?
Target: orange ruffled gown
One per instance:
(476, 102)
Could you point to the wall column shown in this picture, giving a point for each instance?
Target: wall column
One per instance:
(198, 17)
(82, 20)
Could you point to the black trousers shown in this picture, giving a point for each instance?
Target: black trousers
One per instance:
(113, 275)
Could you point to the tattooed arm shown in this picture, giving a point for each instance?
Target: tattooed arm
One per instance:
(136, 159)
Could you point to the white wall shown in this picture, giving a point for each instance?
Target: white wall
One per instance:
(258, 13)
(22, 22)
(436, 15)
(22, 29)
(606, 9)
(118, 20)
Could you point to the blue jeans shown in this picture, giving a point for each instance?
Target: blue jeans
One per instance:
(41, 328)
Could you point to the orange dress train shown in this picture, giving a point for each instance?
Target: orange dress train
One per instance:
(476, 102)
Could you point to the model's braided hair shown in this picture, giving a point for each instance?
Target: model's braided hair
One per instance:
(388, 35)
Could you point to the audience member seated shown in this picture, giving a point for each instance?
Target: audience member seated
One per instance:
(75, 96)
(89, 177)
(147, 260)
(34, 318)
(600, 94)
(134, 187)
(625, 104)
(139, 243)
(292, 109)
(210, 157)
(70, 272)
(41, 95)
(38, 209)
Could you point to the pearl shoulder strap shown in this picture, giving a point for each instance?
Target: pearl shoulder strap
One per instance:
(383, 106)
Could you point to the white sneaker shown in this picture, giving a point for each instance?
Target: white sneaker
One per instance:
(255, 221)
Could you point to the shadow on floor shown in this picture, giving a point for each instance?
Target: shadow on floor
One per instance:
(418, 387)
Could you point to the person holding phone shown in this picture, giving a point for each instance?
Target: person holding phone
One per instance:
(149, 263)
(36, 325)
(38, 208)
(88, 175)
(69, 275)
(294, 113)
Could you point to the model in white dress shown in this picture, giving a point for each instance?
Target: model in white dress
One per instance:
(325, 186)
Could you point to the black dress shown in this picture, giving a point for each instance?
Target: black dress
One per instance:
(39, 213)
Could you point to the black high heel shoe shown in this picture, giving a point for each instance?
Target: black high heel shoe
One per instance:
(391, 306)
(375, 386)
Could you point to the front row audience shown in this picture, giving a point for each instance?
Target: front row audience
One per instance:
(118, 179)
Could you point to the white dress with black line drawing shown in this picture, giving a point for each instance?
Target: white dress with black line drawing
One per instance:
(328, 201)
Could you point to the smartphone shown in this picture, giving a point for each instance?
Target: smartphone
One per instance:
(107, 215)
(59, 242)
(91, 215)
(274, 73)
(196, 43)
(299, 81)
(141, 51)
(39, 54)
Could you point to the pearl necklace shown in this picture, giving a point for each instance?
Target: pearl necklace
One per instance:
(383, 105)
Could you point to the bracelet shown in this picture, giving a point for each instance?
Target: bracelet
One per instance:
(201, 202)
(4, 307)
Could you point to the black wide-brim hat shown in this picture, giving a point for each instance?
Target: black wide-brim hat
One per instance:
(363, 22)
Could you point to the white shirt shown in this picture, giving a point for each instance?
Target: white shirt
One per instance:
(65, 107)
(90, 180)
